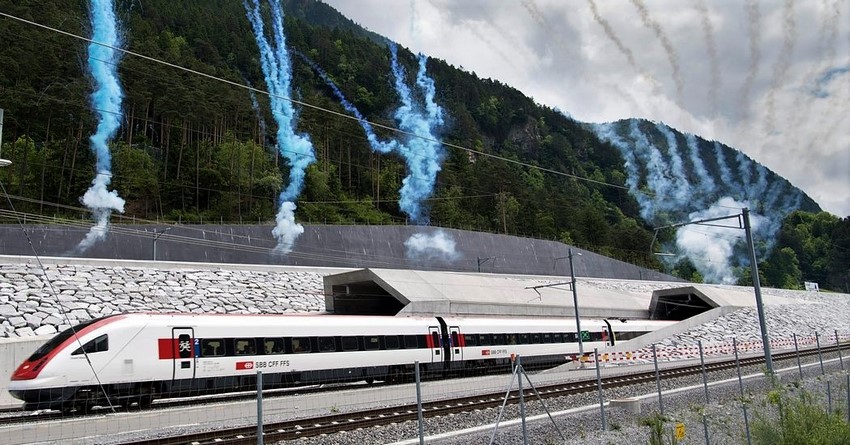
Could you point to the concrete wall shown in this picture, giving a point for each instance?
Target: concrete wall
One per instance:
(322, 245)
(13, 351)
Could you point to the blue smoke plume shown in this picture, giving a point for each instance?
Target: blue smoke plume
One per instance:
(423, 154)
(106, 102)
(295, 147)
(422, 157)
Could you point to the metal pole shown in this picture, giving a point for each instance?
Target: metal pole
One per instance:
(797, 352)
(154, 244)
(521, 400)
(705, 387)
(765, 339)
(575, 300)
(741, 386)
(848, 397)
(1, 131)
(259, 407)
(829, 396)
(419, 405)
(838, 346)
(820, 356)
(657, 380)
(599, 389)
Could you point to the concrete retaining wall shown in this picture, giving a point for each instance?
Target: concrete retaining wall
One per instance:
(326, 246)
(13, 351)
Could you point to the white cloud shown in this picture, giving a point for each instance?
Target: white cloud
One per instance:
(567, 61)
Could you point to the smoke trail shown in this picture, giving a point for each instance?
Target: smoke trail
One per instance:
(612, 35)
(535, 14)
(106, 101)
(296, 147)
(783, 63)
(374, 142)
(723, 166)
(709, 186)
(423, 154)
(608, 132)
(255, 104)
(714, 66)
(668, 48)
(435, 246)
(754, 20)
(679, 185)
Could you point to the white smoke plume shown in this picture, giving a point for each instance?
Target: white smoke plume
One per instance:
(711, 248)
(706, 181)
(101, 202)
(435, 246)
(672, 57)
(286, 231)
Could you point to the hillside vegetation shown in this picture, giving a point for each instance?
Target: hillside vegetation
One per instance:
(194, 150)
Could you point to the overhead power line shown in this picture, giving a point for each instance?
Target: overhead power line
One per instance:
(308, 105)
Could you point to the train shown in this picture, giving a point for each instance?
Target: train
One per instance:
(132, 359)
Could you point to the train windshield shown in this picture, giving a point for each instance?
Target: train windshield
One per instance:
(59, 339)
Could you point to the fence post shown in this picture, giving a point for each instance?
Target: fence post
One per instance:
(838, 346)
(657, 380)
(599, 388)
(259, 407)
(519, 374)
(705, 387)
(419, 405)
(797, 352)
(820, 356)
(741, 386)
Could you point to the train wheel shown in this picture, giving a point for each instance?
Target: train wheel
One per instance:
(370, 381)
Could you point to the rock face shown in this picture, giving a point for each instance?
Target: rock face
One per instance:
(32, 303)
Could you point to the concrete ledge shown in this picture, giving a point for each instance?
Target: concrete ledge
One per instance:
(629, 405)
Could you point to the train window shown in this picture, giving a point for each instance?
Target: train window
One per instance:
(300, 344)
(435, 340)
(557, 337)
(273, 346)
(547, 338)
(470, 339)
(244, 346)
(455, 339)
(327, 344)
(371, 342)
(391, 342)
(535, 338)
(59, 339)
(411, 341)
(350, 344)
(211, 347)
(500, 339)
(523, 339)
(99, 344)
(571, 337)
(485, 339)
(512, 339)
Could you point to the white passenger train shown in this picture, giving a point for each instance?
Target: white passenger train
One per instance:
(137, 357)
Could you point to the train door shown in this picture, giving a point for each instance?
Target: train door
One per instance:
(435, 343)
(456, 343)
(184, 353)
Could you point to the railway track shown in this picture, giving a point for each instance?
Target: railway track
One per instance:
(335, 423)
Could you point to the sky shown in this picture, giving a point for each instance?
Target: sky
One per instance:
(770, 77)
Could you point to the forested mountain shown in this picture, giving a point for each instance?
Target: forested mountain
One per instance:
(195, 149)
